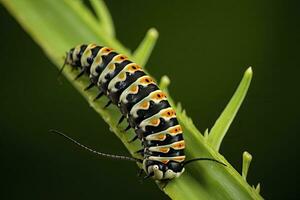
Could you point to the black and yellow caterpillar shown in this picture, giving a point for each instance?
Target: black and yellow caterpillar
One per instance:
(141, 102)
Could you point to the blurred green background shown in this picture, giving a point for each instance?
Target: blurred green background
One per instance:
(204, 47)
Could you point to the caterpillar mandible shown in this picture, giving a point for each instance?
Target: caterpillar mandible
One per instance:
(141, 102)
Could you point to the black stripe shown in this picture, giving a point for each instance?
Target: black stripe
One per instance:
(134, 98)
(169, 140)
(171, 153)
(110, 76)
(95, 51)
(79, 55)
(99, 69)
(144, 114)
(106, 59)
(163, 125)
(82, 48)
(122, 85)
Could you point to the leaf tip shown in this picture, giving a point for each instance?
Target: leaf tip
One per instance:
(249, 71)
(206, 134)
(247, 158)
(257, 189)
(153, 33)
(164, 82)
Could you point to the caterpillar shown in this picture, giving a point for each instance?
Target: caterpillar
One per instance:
(141, 102)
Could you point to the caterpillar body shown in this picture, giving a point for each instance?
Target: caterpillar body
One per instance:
(141, 102)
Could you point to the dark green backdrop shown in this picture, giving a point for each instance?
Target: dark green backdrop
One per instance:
(204, 47)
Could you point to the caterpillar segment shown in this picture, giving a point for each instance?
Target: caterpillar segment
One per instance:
(161, 136)
(140, 101)
(98, 64)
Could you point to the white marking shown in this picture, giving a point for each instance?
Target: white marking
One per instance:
(127, 90)
(158, 174)
(110, 68)
(157, 148)
(75, 53)
(148, 98)
(162, 159)
(170, 174)
(116, 79)
(164, 132)
(147, 122)
(95, 64)
(86, 54)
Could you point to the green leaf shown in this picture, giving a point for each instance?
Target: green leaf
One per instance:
(104, 17)
(247, 158)
(142, 53)
(58, 25)
(221, 126)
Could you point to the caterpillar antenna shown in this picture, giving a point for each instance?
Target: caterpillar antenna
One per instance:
(112, 156)
(201, 159)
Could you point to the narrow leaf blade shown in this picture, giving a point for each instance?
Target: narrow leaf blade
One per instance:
(104, 16)
(143, 52)
(222, 124)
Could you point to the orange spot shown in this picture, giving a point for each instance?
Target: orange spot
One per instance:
(179, 159)
(134, 67)
(108, 49)
(161, 136)
(155, 121)
(175, 130)
(134, 89)
(122, 75)
(165, 161)
(112, 67)
(169, 113)
(121, 58)
(146, 80)
(179, 145)
(164, 149)
(158, 95)
(145, 104)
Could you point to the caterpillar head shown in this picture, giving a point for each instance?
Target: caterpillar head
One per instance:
(68, 60)
(74, 55)
(161, 171)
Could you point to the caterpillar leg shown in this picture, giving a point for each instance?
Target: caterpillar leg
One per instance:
(133, 139)
(145, 177)
(89, 86)
(148, 176)
(127, 128)
(140, 173)
(121, 119)
(108, 103)
(163, 183)
(98, 96)
(141, 152)
(80, 74)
